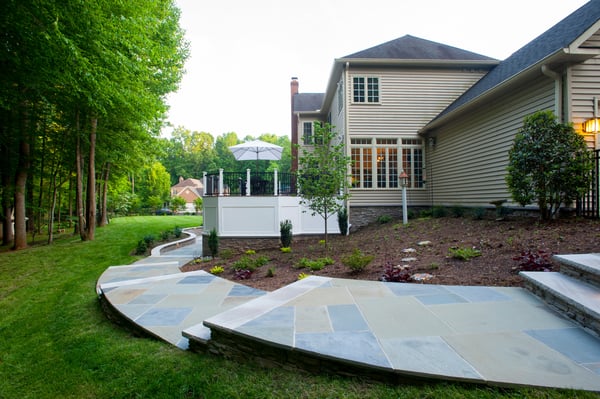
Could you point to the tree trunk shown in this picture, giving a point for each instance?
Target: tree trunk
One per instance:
(7, 149)
(103, 213)
(20, 239)
(91, 183)
(79, 209)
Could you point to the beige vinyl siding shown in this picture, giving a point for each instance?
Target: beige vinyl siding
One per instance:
(585, 84)
(468, 164)
(409, 99)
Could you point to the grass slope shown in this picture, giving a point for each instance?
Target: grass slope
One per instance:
(55, 341)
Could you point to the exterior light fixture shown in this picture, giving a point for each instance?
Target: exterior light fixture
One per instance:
(591, 125)
(404, 182)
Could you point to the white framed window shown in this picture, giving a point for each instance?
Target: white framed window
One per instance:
(377, 162)
(365, 89)
(307, 133)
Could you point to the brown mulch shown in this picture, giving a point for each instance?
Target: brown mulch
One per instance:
(498, 241)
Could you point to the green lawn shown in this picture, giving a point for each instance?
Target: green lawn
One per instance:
(55, 341)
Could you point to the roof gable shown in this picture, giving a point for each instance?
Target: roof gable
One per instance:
(560, 36)
(414, 48)
(189, 182)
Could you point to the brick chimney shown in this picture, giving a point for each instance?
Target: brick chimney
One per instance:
(294, 85)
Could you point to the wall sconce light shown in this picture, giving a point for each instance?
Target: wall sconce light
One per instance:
(431, 142)
(591, 125)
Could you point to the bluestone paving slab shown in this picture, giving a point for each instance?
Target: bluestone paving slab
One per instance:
(428, 356)
(312, 319)
(572, 342)
(515, 358)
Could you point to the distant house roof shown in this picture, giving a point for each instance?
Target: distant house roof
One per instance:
(414, 48)
(307, 102)
(189, 182)
(553, 40)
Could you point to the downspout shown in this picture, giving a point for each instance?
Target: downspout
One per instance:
(347, 137)
(558, 101)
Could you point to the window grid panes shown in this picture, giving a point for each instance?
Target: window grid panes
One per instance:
(377, 163)
(373, 90)
(358, 89)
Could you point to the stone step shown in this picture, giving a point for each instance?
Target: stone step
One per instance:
(576, 299)
(585, 267)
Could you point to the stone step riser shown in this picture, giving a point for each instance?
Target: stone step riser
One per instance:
(573, 298)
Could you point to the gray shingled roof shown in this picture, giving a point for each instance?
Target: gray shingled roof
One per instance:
(559, 36)
(413, 48)
(306, 102)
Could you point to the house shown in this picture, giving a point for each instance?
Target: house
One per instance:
(447, 117)
(188, 189)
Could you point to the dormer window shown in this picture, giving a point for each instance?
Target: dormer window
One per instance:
(365, 89)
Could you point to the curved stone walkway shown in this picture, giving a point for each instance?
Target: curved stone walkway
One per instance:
(500, 336)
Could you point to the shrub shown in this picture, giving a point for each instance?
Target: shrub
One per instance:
(464, 253)
(213, 242)
(177, 231)
(357, 261)
(383, 219)
(302, 276)
(478, 213)
(164, 236)
(217, 270)
(250, 252)
(227, 253)
(149, 240)
(315, 265)
(243, 274)
(247, 262)
(342, 217)
(286, 250)
(285, 230)
(395, 274)
(271, 272)
(438, 211)
(549, 163)
(534, 261)
(457, 211)
(141, 247)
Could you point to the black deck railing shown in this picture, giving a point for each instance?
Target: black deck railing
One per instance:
(588, 205)
(261, 184)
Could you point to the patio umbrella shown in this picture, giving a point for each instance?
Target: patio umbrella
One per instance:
(256, 150)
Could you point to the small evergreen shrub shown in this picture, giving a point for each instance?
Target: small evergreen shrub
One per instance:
(457, 211)
(285, 230)
(342, 217)
(357, 261)
(141, 247)
(478, 213)
(177, 231)
(315, 265)
(227, 253)
(213, 243)
(438, 211)
(164, 236)
(383, 219)
(149, 240)
(271, 272)
(286, 250)
(303, 276)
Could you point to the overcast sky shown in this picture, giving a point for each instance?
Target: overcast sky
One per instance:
(244, 53)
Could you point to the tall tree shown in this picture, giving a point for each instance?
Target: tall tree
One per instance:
(323, 173)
